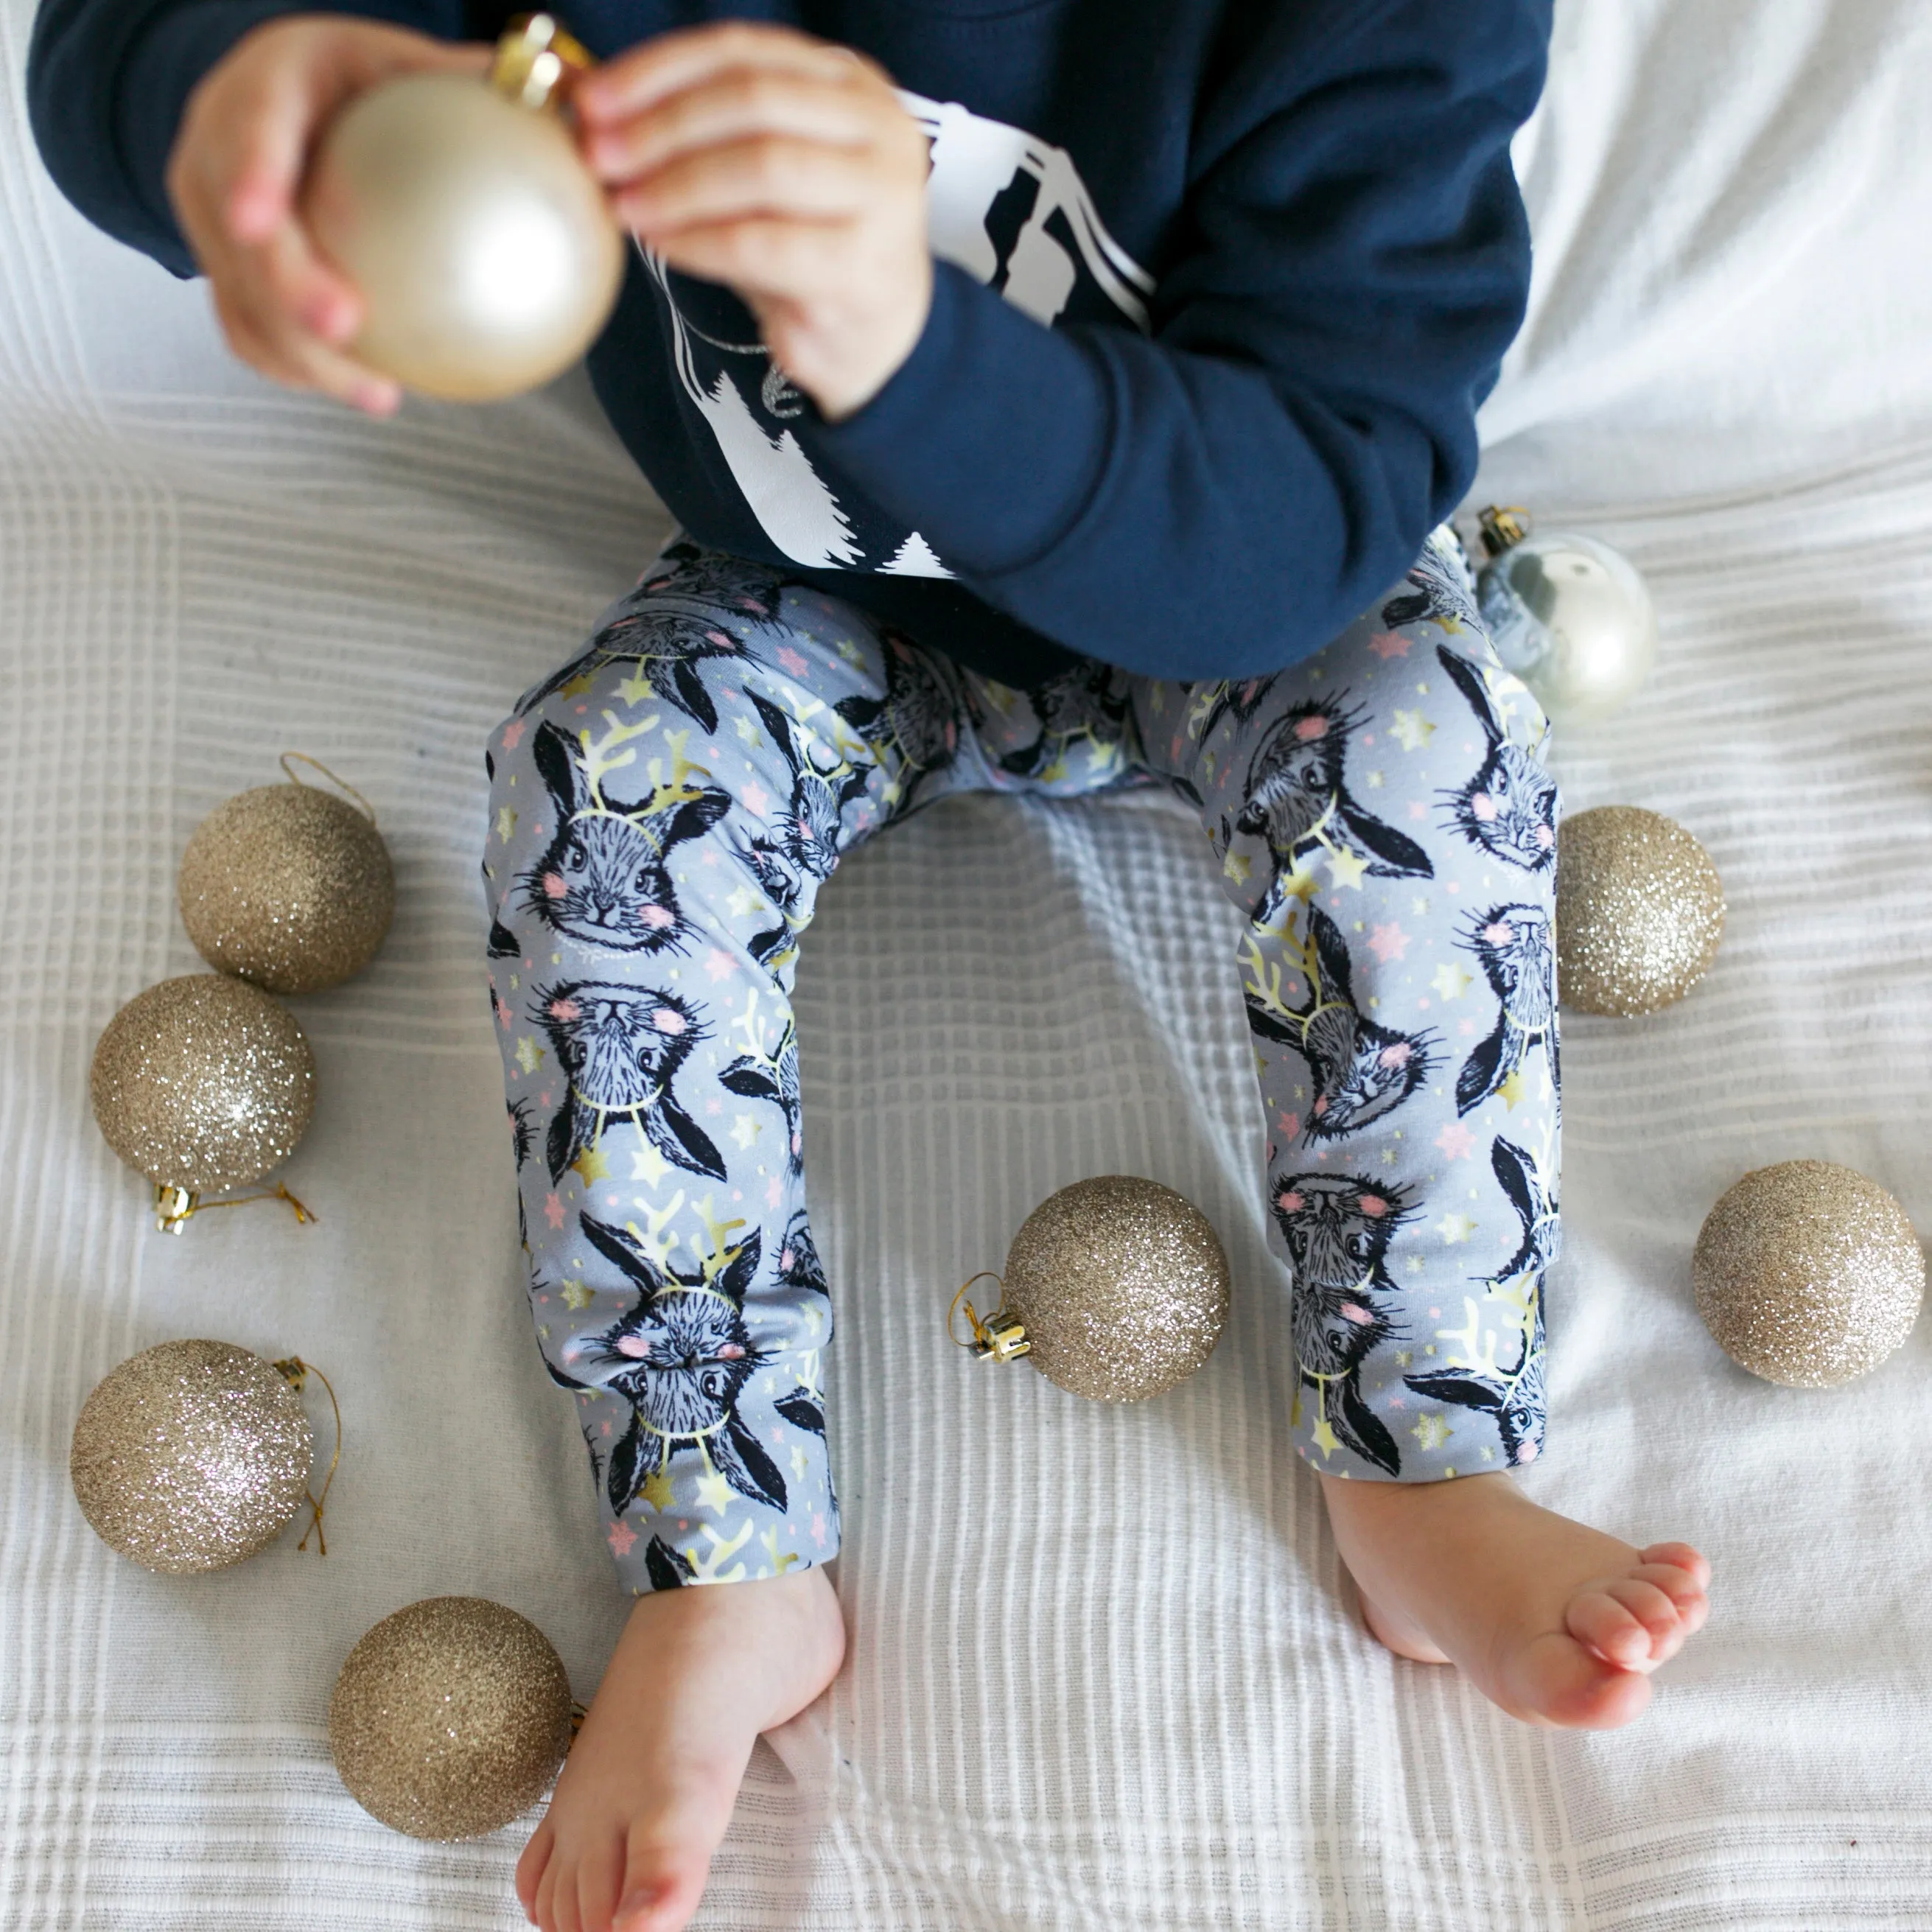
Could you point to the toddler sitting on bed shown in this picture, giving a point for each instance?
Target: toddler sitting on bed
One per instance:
(1072, 408)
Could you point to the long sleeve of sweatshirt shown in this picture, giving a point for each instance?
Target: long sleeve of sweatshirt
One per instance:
(1319, 256)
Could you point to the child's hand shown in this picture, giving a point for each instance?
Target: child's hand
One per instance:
(234, 174)
(785, 168)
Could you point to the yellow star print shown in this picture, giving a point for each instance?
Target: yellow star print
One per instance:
(1450, 982)
(1345, 869)
(1455, 1228)
(1511, 1090)
(1326, 1440)
(1413, 730)
(655, 1490)
(591, 1166)
(1237, 866)
(577, 686)
(744, 901)
(714, 1493)
(1431, 1431)
(506, 824)
(576, 1295)
(529, 1055)
(745, 1129)
(648, 1166)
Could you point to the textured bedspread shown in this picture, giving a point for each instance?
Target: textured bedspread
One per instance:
(1104, 1672)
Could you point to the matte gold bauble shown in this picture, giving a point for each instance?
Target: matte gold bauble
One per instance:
(450, 1718)
(203, 1083)
(484, 250)
(191, 1456)
(1807, 1274)
(287, 885)
(1569, 615)
(1122, 1285)
(1639, 911)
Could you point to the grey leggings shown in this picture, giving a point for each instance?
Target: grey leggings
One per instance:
(664, 811)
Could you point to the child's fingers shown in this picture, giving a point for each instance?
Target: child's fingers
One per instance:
(768, 174)
(733, 107)
(261, 333)
(663, 66)
(778, 258)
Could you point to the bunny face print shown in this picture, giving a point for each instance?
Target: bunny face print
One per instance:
(1509, 807)
(605, 878)
(1515, 945)
(620, 1048)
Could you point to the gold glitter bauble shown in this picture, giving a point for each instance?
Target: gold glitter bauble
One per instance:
(1122, 1285)
(1639, 911)
(287, 885)
(450, 1718)
(203, 1083)
(1807, 1274)
(192, 1456)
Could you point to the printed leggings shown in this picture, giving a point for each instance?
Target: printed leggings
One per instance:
(664, 811)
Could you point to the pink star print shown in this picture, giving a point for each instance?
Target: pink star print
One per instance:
(719, 965)
(755, 796)
(513, 734)
(1290, 1125)
(1456, 1141)
(792, 661)
(622, 1537)
(553, 1210)
(1386, 644)
(1388, 942)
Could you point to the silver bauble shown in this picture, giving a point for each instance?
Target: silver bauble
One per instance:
(1122, 1285)
(450, 1718)
(484, 249)
(287, 885)
(1639, 911)
(1573, 619)
(191, 1456)
(203, 1083)
(1808, 1274)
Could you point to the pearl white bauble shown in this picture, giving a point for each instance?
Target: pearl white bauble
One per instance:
(484, 250)
(1573, 619)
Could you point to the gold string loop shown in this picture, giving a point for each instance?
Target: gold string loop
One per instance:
(341, 784)
(174, 1206)
(999, 1336)
(295, 1373)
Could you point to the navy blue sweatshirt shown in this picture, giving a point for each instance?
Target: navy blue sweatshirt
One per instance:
(1220, 286)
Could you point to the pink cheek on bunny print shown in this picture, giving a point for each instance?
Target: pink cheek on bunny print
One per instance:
(633, 1345)
(553, 886)
(656, 917)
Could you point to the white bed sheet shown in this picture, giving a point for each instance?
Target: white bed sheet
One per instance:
(1103, 1673)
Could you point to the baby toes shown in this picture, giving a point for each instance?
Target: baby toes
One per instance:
(530, 1868)
(597, 1881)
(1688, 1580)
(660, 1891)
(1624, 1621)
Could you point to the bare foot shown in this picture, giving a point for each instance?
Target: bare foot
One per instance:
(648, 1788)
(1557, 1623)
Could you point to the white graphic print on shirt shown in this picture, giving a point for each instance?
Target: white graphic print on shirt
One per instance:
(976, 162)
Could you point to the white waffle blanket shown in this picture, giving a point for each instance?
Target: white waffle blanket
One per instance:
(1104, 1672)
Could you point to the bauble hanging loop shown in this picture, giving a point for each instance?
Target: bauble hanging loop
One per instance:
(450, 1718)
(485, 252)
(203, 1083)
(1114, 1288)
(288, 886)
(193, 1456)
(1568, 615)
